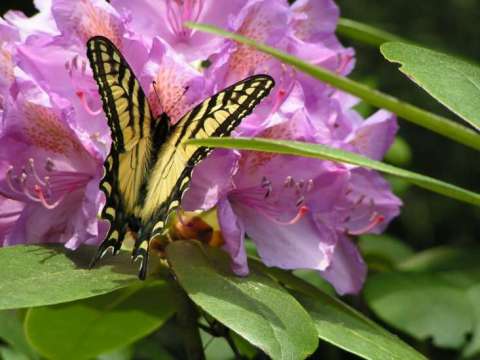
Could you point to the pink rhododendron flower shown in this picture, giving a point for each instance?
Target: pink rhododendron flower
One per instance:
(301, 213)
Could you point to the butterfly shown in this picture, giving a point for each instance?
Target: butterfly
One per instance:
(149, 167)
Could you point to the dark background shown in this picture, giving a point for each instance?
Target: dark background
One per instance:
(427, 219)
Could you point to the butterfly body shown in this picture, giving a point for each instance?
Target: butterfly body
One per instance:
(149, 166)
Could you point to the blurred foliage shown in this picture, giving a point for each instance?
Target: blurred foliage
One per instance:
(448, 26)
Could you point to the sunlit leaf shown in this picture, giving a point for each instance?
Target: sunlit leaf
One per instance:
(12, 354)
(90, 327)
(11, 331)
(255, 307)
(422, 305)
(452, 81)
(473, 348)
(341, 325)
(41, 275)
(429, 298)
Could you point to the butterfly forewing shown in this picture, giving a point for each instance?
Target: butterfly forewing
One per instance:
(130, 121)
(215, 116)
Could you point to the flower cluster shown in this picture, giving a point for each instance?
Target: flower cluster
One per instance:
(300, 213)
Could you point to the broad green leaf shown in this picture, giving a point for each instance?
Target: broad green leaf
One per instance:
(11, 354)
(313, 278)
(86, 328)
(473, 348)
(429, 298)
(383, 251)
(424, 305)
(407, 111)
(340, 325)
(459, 264)
(216, 348)
(364, 33)
(255, 307)
(452, 81)
(42, 275)
(11, 331)
(125, 353)
(443, 258)
(323, 152)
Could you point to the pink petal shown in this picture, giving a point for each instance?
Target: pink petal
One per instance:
(303, 245)
(347, 271)
(234, 235)
(211, 180)
(375, 135)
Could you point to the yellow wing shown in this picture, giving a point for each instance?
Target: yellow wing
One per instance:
(215, 116)
(130, 121)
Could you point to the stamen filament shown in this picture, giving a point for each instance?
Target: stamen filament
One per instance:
(83, 100)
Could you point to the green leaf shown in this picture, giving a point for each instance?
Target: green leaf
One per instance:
(326, 153)
(364, 33)
(41, 275)
(443, 258)
(340, 325)
(409, 112)
(86, 328)
(453, 82)
(125, 353)
(473, 348)
(313, 278)
(255, 307)
(383, 251)
(11, 354)
(424, 305)
(429, 297)
(11, 331)
(459, 264)
(216, 348)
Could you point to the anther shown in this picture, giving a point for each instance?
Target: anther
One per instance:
(288, 181)
(49, 165)
(300, 201)
(268, 185)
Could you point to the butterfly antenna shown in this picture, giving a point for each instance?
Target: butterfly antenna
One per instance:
(164, 109)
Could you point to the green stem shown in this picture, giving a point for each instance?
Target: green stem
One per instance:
(365, 33)
(423, 118)
(187, 318)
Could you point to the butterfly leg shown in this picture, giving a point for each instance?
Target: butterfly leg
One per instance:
(112, 242)
(140, 251)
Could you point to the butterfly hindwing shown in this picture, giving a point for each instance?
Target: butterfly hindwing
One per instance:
(130, 120)
(216, 116)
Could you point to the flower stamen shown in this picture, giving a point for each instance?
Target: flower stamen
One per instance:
(83, 100)
(375, 220)
(41, 198)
